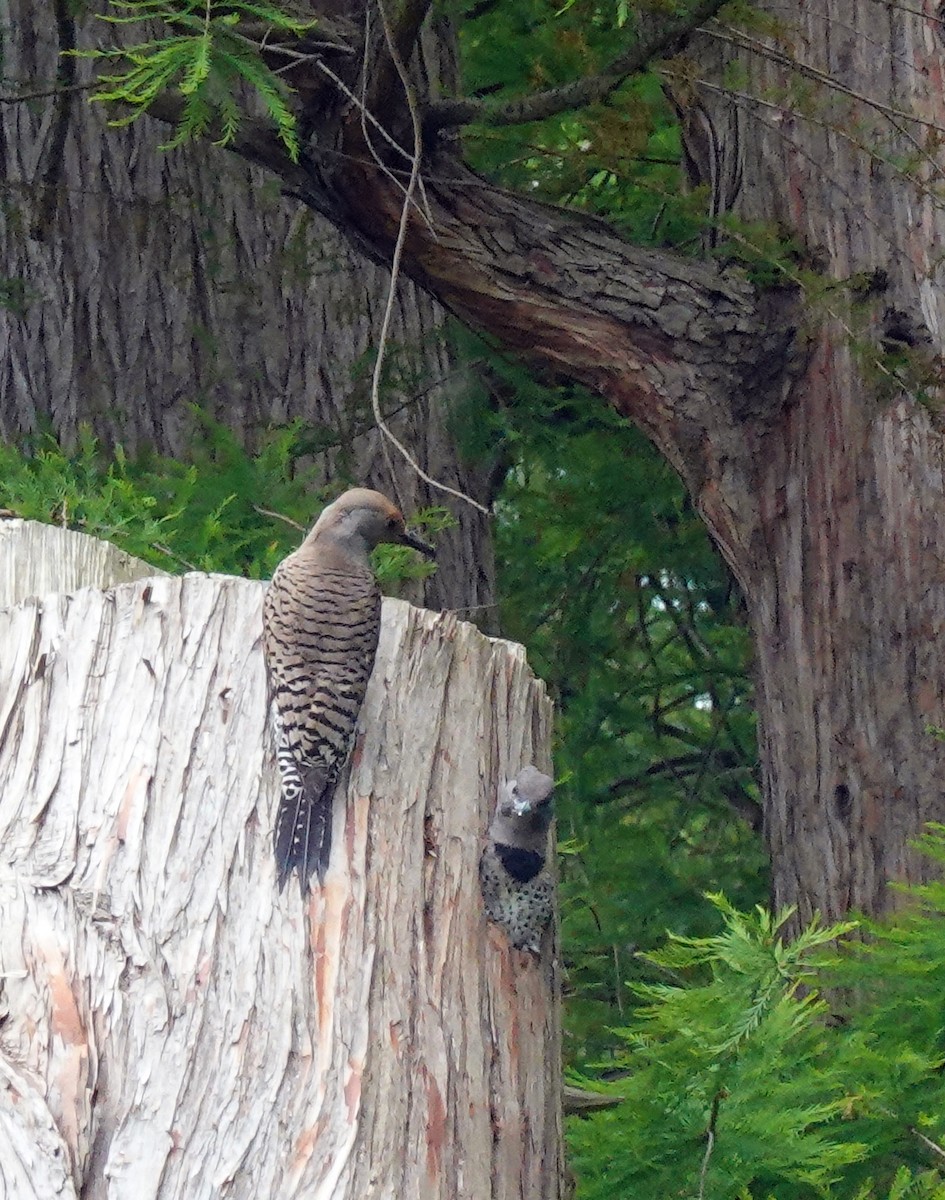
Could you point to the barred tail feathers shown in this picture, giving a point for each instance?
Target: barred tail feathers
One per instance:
(302, 838)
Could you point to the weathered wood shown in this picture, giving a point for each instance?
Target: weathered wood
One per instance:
(579, 1101)
(176, 1028)
(37, 558)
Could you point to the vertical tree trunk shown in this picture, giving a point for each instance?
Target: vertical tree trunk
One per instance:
(842, 554)
(175, 1027)
(138, 282)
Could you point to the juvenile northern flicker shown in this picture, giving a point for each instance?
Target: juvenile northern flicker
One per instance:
(321, 621)
(517, 886)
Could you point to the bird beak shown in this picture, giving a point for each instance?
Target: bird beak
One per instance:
(415, 544)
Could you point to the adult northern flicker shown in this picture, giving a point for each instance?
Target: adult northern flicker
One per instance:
(321, 621)
(517, 885)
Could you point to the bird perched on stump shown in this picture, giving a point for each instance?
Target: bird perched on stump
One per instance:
(321, 622)
(517, 885)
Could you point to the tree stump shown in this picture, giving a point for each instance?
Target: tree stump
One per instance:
(172, 1026)
(37, 558)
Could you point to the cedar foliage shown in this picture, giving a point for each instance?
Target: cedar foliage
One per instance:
(205, 56)
(197, 515)
(760, 1068)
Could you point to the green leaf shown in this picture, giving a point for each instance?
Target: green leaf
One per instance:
(205, 59)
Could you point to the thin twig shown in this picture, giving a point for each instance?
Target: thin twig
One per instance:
(749, 103)
(159, 546)
(745, 102)
(915, 12)
(278, 516)
(679, 766)
(927, 1142)
(298, 56)
(56, 91)
(395, 271)
(366, 136)
(427, 211)
(743, 41)
(343, 87)
(367, 115)
(365, 132)
(710, 1139)
(385, 445)
(881, 46)
(618, 982)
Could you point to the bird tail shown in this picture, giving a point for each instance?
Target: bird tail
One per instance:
(303, 827)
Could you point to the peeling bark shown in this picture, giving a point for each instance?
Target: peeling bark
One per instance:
(175, 1027)
(36, 559)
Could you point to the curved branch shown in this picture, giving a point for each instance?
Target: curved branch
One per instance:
(680, 347)
(580, 92)
(691, 353)
(677, 766)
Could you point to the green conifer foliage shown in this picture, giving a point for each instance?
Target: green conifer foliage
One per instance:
(203, 57)
(766, 1068)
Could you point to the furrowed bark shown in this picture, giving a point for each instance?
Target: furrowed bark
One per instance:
(175, 1027)
(844, 578)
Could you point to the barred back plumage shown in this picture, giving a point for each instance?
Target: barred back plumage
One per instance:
(321, 622)
(322, 626)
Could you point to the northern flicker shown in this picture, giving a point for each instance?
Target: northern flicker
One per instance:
(517, 886)
(321, 621)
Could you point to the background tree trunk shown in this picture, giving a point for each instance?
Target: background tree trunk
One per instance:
(139, 282)
(844, 569)
(175, 1027)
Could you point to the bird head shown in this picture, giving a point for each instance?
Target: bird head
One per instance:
(529, 794)
(361, 519)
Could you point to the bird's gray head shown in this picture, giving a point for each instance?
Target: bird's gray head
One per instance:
(361, 519)
(527, 795)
